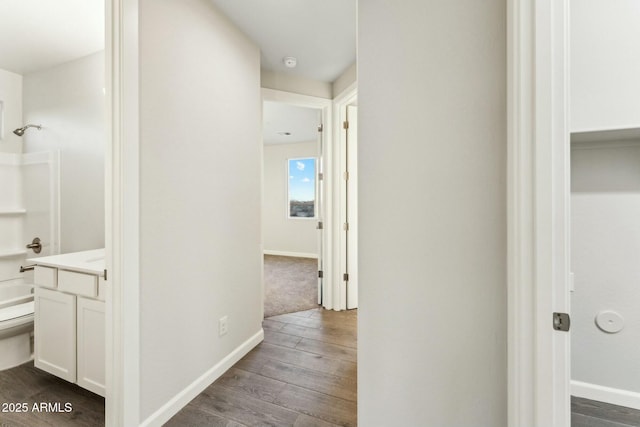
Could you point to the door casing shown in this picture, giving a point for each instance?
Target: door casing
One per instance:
(538, 212)
(324, 106)
(538, 392)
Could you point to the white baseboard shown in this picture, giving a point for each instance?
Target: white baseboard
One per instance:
(181, 399)
(614, 396)
(292, 254)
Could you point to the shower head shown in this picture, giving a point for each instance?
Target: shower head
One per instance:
(20, 131)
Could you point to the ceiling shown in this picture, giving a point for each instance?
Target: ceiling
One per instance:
(302, 123)
(321, 34)
(38, 34)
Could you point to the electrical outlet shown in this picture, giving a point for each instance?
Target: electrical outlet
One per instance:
(223, 325)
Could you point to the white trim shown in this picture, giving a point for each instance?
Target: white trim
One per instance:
(347, 94)
(537, 209)
(614, 396)
(122, 404)
(291, 254)
(181, 399)
(10, 159)
(325, 105)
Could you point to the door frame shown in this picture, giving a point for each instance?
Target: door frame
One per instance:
(534, 178)
(122, 311)
(538, 211)
(325, 106)
(340, 103)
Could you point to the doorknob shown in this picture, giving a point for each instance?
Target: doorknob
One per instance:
(35, 245)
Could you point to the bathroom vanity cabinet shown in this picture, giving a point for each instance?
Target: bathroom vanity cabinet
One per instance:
(70, 318)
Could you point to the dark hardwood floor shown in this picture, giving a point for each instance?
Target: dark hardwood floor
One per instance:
(58, 403)
(302, 375)
(589, 413)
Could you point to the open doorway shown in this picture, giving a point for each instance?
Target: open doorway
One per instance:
(53, 144)
(605, 203)
(292, 207)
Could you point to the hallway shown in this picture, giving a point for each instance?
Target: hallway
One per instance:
(302, 375)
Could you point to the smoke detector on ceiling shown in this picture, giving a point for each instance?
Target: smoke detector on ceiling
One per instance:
(290, 61)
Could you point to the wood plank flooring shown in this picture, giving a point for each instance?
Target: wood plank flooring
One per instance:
(27, 384)
(589, 413)
(302, 375)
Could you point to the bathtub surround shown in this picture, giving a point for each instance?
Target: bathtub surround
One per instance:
(68, 101)
(11, 110)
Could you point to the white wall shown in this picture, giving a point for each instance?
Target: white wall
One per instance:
(432, 333)
(346, 79)
(605, 246)
(605, 64)
(295, 84)
(280, 233)
(68, 101)
(11, 98)
(200, 174)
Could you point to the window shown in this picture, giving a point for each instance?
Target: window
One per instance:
(302, 188)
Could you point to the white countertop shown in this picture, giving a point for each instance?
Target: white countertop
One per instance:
(91, 262)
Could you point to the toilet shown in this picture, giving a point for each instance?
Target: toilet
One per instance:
(16, 330)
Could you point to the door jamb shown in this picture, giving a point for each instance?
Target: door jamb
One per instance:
(538, 212)
(325, 106)
(348, 96)
(122, 400)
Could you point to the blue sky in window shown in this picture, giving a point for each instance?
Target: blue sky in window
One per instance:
(302, 179)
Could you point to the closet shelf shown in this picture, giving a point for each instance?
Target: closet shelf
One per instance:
(607, 135)
(12, 211)
(12, 253)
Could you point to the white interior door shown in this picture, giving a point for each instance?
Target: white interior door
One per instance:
(351, 220)
(320, 205)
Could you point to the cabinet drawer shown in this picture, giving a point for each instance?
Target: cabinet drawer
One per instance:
(78, 283)
(45, 276)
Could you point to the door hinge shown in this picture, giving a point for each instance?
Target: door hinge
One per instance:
(320, 226)
(345, 124)
(320, 127)
(345, 226)
(346, 175)
(105, 274)
(320, 176)
(561, 321)
(345, 277)
(320, 274)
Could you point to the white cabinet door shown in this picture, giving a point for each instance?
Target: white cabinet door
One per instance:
(605, 64)
(55, 333)
(91, 345)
